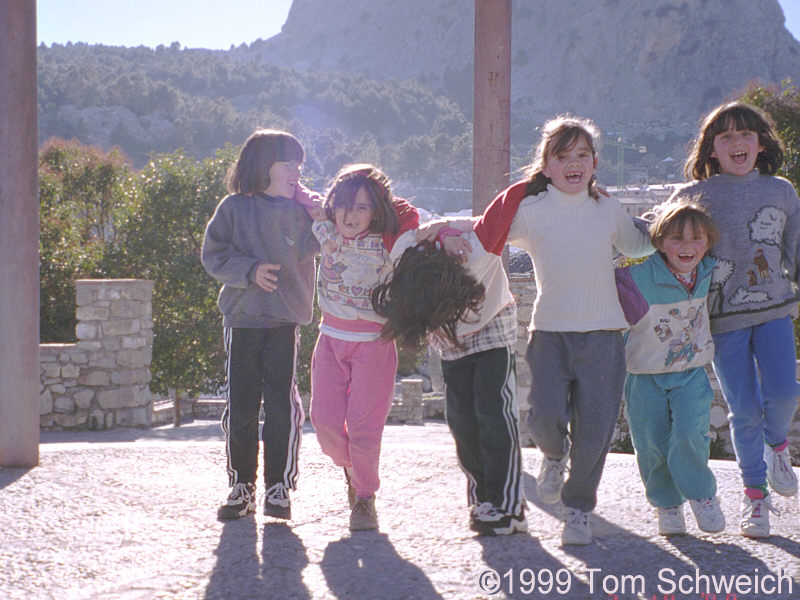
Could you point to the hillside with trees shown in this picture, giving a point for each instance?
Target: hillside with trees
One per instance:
(147, 101)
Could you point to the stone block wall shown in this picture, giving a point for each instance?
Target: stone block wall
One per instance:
(102, 381)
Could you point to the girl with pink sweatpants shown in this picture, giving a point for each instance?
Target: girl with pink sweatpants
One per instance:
(352, 370)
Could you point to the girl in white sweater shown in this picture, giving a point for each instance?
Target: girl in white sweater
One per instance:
(576, 351)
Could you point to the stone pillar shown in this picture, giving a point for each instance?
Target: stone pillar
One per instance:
(19, 237)
(412, 399)
(491, 154)
(102, 381)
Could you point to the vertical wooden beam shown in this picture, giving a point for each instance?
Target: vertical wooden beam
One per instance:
(19, 237)
(491, 153)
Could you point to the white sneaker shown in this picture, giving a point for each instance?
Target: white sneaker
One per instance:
(708, 514)
(780, 475)
(277, 503)
(551, 479)
(576, 528)
(671, 520)
(755, 517)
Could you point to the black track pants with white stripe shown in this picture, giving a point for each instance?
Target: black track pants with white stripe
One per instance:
(261, 364)
(483, 416)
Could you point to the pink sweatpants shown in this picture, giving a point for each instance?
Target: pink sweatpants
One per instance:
(352, 386)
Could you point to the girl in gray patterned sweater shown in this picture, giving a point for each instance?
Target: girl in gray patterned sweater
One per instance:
(753, 297)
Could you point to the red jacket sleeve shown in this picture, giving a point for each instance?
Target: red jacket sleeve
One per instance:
(407, 218)
(493, 225)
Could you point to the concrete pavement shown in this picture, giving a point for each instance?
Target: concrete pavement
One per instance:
(131, 514)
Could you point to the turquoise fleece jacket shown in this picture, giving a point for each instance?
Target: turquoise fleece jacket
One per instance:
(669, 325)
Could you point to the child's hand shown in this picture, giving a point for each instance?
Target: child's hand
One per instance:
(329, 247)
(457, 245)
(428, 231)
(265, 278)
(316, 211)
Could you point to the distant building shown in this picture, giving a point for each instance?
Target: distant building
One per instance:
(637, 200)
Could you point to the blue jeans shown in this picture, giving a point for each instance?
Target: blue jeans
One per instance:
(668, 415)
(756, 368)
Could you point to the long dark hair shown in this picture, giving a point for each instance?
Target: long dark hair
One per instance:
(739, 116)
(430, 290)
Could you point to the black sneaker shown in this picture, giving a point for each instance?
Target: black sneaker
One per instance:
(241, 501)
(276, 503)
(493, 521)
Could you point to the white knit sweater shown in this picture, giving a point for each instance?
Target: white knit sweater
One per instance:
(571, 239)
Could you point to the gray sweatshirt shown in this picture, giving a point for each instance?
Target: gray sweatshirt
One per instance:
(246, 231)
(758, 254)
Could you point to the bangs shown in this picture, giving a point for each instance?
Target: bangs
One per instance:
(738, 118)
(288, 149)
(564, 140)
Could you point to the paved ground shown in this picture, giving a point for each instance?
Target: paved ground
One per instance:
(131, 514)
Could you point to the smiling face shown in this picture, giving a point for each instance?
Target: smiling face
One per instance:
(283, 178)
(683, 250)
(571, 170)
(352, 223)
(736, 150)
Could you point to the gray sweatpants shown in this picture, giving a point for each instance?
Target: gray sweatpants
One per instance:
(576, 391)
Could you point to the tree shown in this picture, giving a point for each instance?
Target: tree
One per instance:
(162, 242)
(782, 103)
(80, 200)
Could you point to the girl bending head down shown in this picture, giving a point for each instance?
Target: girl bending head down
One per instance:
(430, 290)
(566, 157)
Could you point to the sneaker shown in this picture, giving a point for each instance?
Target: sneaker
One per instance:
(364, 516)
(780, 475)
(551, 479)
(490, 520)
(351, 491)
(708, 514)
(671, 520)
(479, 512)
(276, 503)
(241, 501)
(576, 528)
(755, 517)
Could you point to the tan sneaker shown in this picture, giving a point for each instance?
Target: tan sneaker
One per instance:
(364, 516)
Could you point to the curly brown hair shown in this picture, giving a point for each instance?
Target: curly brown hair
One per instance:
(430, 290)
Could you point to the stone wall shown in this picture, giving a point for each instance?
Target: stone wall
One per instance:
(101, 381)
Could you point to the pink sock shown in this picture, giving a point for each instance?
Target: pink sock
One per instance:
(780, 447)
(754, 493)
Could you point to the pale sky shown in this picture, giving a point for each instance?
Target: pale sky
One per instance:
(193, 23)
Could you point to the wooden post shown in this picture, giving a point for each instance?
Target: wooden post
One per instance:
(491, 154)
(19, 237)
